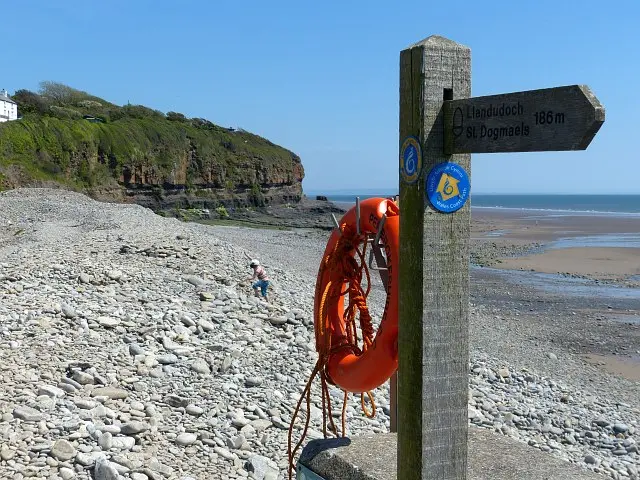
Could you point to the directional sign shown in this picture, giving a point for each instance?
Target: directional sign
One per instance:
(551, 119)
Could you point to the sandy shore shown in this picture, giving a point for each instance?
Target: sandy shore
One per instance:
(611, 263)
(581, 267)
(596, 247)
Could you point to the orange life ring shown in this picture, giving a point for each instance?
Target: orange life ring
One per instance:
(347, 367)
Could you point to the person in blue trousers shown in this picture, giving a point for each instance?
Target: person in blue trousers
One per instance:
(260, 279)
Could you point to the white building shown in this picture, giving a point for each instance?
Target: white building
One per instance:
(8, 108)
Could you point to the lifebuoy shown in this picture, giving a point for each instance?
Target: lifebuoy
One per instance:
(347, 367)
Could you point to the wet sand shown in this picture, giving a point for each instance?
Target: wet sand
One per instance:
(598, 247)
(612, 263)
(534, 226)
(583, 269)
(625, 367)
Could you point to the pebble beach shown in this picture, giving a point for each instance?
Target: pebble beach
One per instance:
(130, 349)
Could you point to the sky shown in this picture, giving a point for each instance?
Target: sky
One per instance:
(321, 78)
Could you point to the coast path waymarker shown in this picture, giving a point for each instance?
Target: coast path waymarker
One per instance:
(439, 127)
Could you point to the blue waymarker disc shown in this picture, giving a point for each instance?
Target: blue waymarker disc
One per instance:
(410, 160)
(447, 187)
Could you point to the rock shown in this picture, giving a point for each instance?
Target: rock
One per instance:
(236, 442)
(200, 366)
(105, 441)
(224, 453)
(112, 429)
(590, 459)
(176, 401)
(552, 356)
(100, 411)
(66, 473)
(186, 439)
(156, 466)
(138, 476)
(503, 372)
(83, 378)
(240, 422)
(68, 311)
(86, 459)
(84, 278)
(123, 443)
(110, 392)
(226, 364)
(7, 453)
(135, 349)
(601, 422)
(278, 321)
(260, 466)
(206, 326)
(620, 428)
(206, 296)
(63, 450)
(114, 275)
(109, 322)
(133, 428)
(260, 424)
(104, 470)
(51, 391)
(194, 410)
(248, 431)
(27, 414)
(168, 359)
(253, 381)
(195, 281)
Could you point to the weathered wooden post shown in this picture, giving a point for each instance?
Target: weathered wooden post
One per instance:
(434, 270)
(439, 126)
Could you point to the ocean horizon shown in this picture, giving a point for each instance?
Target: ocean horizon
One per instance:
(628, 204)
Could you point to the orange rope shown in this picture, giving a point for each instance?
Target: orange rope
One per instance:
(347, 270)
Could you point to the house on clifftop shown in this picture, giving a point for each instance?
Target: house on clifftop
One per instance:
(8, 108)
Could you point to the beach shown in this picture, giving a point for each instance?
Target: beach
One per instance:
(570, 279)
(552, 293)
(590, 245)
(580, 268)
(131, 344)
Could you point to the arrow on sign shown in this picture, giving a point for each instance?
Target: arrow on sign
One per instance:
(551, 119)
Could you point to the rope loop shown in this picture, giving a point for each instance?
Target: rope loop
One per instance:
(349, 267)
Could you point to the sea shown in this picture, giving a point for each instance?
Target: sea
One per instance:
(623, 205)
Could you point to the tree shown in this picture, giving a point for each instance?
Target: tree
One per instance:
(61, 94)
(176, 117)
(30, 102)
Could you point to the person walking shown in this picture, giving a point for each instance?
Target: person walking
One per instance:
(261, 279)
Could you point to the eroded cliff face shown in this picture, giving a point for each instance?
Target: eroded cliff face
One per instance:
(156, 163)
(193, 183)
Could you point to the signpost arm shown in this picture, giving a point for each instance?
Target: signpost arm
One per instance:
(434, 277)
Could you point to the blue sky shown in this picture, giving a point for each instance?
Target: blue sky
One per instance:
(321, 78)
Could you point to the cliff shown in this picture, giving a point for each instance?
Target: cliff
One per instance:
(133, 153)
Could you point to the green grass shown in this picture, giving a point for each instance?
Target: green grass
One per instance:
(241, 223)
(52, 142)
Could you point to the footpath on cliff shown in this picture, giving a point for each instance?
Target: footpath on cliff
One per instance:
(130, 350)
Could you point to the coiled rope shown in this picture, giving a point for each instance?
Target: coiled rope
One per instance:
(345, 269)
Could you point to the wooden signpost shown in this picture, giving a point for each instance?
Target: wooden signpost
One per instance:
(562, 118)
(439, 127)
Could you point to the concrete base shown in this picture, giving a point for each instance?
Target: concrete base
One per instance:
(491, 457)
